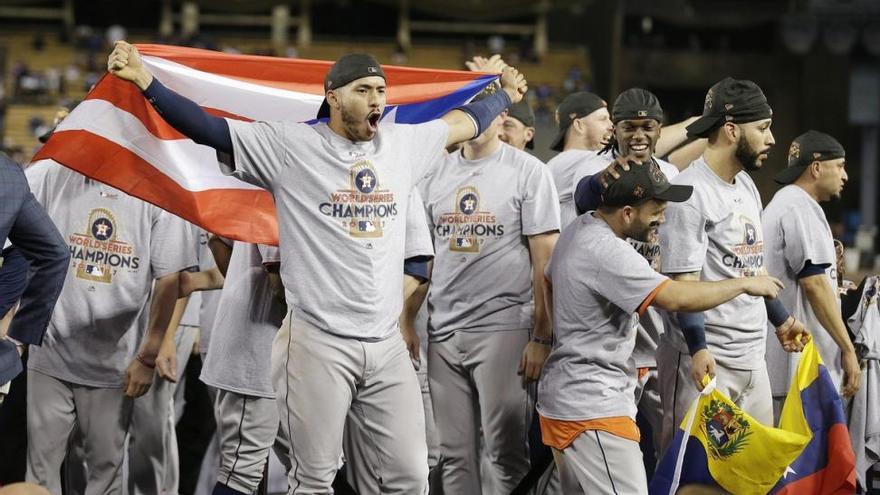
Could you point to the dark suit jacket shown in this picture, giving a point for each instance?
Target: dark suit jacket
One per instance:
(27, 226)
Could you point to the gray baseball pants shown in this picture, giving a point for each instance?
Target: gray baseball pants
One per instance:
(322, 381)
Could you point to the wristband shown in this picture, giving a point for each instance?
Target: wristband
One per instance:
(693, 327)
(776, 312)
(539, 340)
(483, 112)
(145, 362)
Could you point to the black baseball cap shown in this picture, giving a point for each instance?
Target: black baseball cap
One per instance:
(730, 100)
(574, 106)
(522, 112)
(641, 183)
(807, 148)
(348, 68)
(636, 104)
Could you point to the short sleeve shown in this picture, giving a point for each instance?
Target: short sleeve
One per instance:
(683, 239)
(540, 204)
(418, 236)
(269, 254)
(799, 246)
(258, 151)
(626, 279)
(428, 143)
(172, 245)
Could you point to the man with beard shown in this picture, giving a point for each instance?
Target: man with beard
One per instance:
(637, 118)
(340, 351)
(800, 252)
(584, 129)
(717, 235)
(600, 285)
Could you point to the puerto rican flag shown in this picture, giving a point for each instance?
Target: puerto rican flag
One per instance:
(116, 137)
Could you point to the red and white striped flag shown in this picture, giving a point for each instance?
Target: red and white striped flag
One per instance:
(116, 137)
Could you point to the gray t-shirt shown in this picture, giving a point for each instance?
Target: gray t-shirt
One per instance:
(651, 324)
(599, 282)
(563, 167)
(796, 231)
(247, 318)
(341, 214)
(480, 213)
(718, 233)
(118, 246)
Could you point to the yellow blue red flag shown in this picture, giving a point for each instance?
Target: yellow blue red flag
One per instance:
(720, 446)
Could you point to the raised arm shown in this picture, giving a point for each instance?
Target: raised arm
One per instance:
(182, 113)
(469, 121)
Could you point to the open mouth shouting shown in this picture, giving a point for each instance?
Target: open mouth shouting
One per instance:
(373, 121)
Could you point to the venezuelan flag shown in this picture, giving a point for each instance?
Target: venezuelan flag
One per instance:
(721, 447)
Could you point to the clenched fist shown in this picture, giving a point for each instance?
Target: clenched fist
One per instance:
(125, 63)
(514, 84)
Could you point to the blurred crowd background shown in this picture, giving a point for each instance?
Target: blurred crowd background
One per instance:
(818, 61)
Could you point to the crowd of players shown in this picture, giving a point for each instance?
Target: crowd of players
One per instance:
(601, 283)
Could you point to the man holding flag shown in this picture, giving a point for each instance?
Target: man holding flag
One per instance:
(338, 188)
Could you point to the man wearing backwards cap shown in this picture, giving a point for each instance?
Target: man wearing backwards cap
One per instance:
(638, 119)
(584, 129)
(518, 129)
(340, 348)
(717, 235)
(599, 286)
(800, 252)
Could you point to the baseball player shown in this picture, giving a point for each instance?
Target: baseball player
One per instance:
(800, 252)
(94, 359)
(599, 286)
(584, 129)
(338, 188)
(717, 235)
(637, 118)
(492, 209)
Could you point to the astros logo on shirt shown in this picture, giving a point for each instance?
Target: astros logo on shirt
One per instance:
(747, 257)
(467, 227)
(98, 254)
(364, 206)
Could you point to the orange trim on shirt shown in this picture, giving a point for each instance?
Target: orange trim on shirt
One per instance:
(648, 300)
(559, 434)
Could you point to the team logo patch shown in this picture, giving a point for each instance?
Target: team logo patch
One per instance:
(364, 207)
(365, 180)
(657, 175)
(467, 227)
(747, 256)
(638, 191)
(751, 233)
(727, 430)
(102, 229)
(98, 254)
(709, 100)
(642, 113)
(469, 203)
(794, 151)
